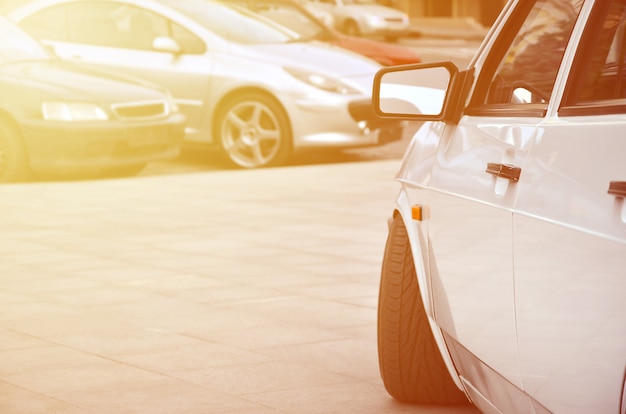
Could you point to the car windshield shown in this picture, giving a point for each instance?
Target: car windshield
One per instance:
(236, 23)
(17, 46)
(288, 15)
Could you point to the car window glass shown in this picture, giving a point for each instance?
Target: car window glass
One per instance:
(527, 71)
(50, 23)
(15, 45)
(111, 24)
(119, 25)
(94, 23)
(143, 26)
(189, 43)
(237, 24)
(291, 17)
(603, 76)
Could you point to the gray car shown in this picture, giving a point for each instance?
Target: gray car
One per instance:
(56, 117)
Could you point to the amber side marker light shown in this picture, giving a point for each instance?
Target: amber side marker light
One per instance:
(417, 212)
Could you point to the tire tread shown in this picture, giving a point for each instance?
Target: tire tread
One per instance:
(411, 366)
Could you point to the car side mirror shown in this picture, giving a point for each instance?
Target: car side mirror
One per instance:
(415, 92)
(51, 51)
(166, 44)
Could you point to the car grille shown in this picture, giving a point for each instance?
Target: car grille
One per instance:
(141, 110)
(394, 19)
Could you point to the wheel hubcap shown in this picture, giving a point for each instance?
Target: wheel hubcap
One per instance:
(251, 134)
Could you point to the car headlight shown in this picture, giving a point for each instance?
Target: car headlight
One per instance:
(374, 20)
(72, 111)
(322, 82)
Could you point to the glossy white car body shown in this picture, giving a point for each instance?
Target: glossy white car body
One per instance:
(313, 83)
(511, 220)
(364, 17)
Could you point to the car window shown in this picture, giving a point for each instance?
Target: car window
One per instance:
(292, 18)
(238, 24)
(528, 61)
(50, 23)
(189, 43)
(16, 46)
(108, 24)
(97, 24)
(144, 26)
(598, 81)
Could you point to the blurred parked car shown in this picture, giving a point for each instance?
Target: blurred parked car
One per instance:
(504, 275)
(59, 118)
(253, 88)
(321, 15)
(365, 18)
(293, 15)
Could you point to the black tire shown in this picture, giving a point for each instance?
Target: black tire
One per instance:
(13, 157)
(254, 131)
(351, 28)
(411, 366)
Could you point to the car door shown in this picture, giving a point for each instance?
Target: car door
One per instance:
(474, 187)
(120, 36)
(570, 232)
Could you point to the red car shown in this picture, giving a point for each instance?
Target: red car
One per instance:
(297, 18)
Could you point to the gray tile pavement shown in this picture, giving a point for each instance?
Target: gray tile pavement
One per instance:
(220, 292)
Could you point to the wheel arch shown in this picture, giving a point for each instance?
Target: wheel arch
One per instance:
(417, 232)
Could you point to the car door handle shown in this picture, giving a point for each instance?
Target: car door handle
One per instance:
(508, 171)
(617, 188)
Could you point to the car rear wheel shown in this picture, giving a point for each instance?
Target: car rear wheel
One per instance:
(13, 158)
(411, 366)
(254, 131)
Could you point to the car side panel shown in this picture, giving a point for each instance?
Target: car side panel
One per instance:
(470, 231)
(570, 264)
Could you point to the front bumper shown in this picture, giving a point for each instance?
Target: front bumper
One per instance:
(389, 130)
(70, 147)
(338, 122)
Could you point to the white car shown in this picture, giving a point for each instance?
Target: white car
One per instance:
(246, 84)
(504, 275)
(364, 17)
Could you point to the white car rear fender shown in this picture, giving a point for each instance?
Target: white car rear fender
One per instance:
(417, 231)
